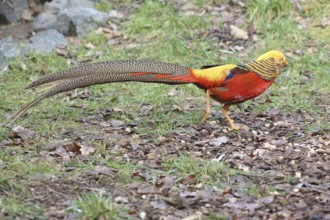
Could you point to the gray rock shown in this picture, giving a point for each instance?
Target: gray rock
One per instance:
(46, 41)
(80, 4)
(80, 21)
(56, 5)
(60, 5)
(10, 49)
(3, 63)
(13, 14)
(45, 20)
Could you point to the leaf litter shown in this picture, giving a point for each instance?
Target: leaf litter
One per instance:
(289, 168)
(282, 170)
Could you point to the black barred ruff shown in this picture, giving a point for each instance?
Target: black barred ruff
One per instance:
(266, 69)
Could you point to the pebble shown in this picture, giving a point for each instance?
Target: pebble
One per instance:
(142, 215)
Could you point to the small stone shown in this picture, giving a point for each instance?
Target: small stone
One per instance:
(162, 139)
(269, 146)
(199, 186)
(142, 215)
(259, 152)
(298, 174)
(121, 200)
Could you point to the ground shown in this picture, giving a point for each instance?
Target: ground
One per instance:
(138, 151)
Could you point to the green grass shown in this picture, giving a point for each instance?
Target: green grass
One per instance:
(204, 171)
(103, 6)
(215, 216)
(17, 164)
(17, 209)
(282, 32)
(213, 173)
(95, 205)
(182, 46)
(158, 31)
(155, 23)
(201, 3)
(264, 10)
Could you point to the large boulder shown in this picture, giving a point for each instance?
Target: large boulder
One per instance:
(77, 21)
(46, 41)
(3, 63)
(45, 20)
(10, 49)
(60, 5)
(56, 6)
(80, 4)
(70, 17)
(10, 14)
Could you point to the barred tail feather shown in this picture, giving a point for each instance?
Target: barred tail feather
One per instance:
(94, 79)
(80, 82)
(120, 66)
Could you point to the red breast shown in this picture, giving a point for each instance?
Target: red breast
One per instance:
(240, 88)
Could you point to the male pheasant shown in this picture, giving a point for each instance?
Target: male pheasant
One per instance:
(228, 84)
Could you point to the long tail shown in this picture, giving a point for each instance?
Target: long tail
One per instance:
(108, 72)
(136, 67)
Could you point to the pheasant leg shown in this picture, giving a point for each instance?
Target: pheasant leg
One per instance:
(225, 109)
(207, 108)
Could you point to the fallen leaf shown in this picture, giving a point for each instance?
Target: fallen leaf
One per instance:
(325, 22)
(62, 153)
(62, 51)
(116, 14)
(79, 148)
(266, 200)
(242, 205)
(117, 123)
(27, 15)
(174, 199)
(193, 217)
(174, 92)
(218, 141)
(86, 150)
(121, 200)
(259, 152)
(269, 146)
(238, 32)
(158, 205)
(90, 46)
(101, 170)
(20, 132)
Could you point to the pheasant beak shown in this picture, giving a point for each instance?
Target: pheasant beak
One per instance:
(285, 63)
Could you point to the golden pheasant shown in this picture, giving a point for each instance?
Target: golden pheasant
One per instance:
(228, 84)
